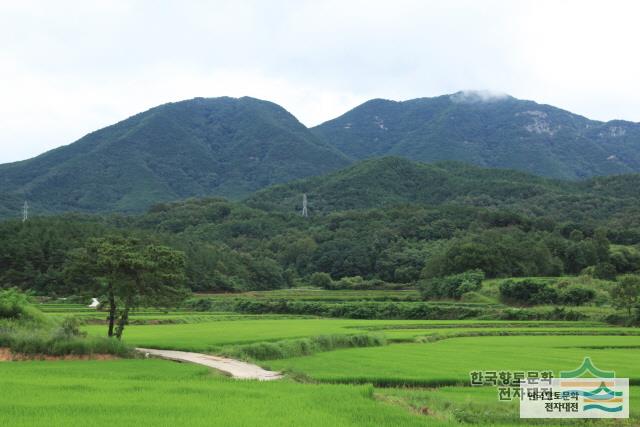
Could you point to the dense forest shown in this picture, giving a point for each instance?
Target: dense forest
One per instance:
(386, 222)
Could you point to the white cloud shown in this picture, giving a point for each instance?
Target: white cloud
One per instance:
(477, 96)
(70, 67)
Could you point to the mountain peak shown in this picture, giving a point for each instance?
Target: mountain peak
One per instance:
(199, 147)
(487, 129)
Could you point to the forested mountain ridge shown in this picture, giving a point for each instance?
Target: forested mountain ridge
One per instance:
(489, 131)
(223, 146)
(392, 181)
(232, 147)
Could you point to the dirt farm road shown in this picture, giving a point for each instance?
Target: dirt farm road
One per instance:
(236, 368)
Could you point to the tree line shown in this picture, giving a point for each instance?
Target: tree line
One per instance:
(229, 246)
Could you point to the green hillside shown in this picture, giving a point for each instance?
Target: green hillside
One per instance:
(389, 181)
(221, 146)
(498, 132)
(392, 180)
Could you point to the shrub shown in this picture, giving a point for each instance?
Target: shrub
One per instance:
(359, 310)
(27, 339)
(475, 297)
(527, 292)
(557, 313)
(617, 319)
(26, 330)
(70, 328)
(352, 283)
(199, 304)
(302, 347)
(12, 304)
(349, 282)
(453, 286)
(626, 293)
(576, 295)
(15, 305)
(625, 260)
(605, 271)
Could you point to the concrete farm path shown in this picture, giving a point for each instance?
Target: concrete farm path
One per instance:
(236, 368)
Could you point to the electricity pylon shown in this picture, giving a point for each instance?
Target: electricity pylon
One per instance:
(305, 212)
(25, 211)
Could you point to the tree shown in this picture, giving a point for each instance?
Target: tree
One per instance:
(130, 275)
(602, 244)
(626, 293)
(152, 276)
(576, 235)
(265, 273)
(321, 280)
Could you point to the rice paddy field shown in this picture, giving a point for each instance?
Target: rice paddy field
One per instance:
(210, 335)
(450, 361)
(162, 393)
(418, 375)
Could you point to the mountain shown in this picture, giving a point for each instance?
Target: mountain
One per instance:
(220, 146)
(232, 147)
(391, 181)
(489, 131)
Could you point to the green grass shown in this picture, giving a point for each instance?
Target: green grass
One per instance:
(479, 406)
(450, 361)
(160, 393)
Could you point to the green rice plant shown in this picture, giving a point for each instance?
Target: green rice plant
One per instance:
(450, 361)
(480, 406)
(520, 332)
(213, 335)
(151, 392)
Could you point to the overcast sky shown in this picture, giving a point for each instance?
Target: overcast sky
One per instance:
(70, 67)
